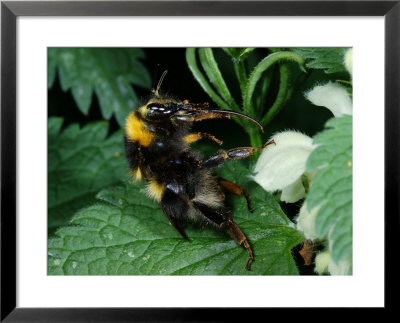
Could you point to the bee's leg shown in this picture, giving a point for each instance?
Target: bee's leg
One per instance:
(234, 231)
(221, 217)
(193, 137)
(174, 207)
(236, 153)
(176, 226)
(236, 189)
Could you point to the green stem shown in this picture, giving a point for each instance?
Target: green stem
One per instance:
(255, 141)
(241, 74)
(231, 51)
(245, 53)
(255, 138)
(274, 49)
(298, 84)
(255, 76)
(210, 66)
(200, 78)
(198, 75)
(266, 83)
(282, 95)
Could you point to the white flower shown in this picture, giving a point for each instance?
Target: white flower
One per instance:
(281, 166)
(293, 192)
(332, 96)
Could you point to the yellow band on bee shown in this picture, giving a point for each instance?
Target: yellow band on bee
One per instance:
(136, 174)
(135, 130)
(155, 190)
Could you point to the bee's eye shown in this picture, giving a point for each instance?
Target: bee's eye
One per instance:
(157, 108)
(160, 111)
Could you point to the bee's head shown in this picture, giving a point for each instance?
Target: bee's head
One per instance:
(161, 109)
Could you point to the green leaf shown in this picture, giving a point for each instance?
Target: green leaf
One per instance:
(331, 60)
(331, 188)
(81, 161)
(125, 233)
(109, 72)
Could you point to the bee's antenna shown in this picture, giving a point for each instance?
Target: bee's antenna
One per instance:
(160, 82)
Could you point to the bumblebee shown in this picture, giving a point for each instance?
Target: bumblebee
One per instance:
(157, 138)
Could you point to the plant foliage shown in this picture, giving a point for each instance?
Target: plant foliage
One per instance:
(125, 233)
(215, 86)
(331, 60)
(331, 188)
(108, 72)
(81, 161)
(101, 224)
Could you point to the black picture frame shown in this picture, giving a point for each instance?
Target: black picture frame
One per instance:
(11, 10)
